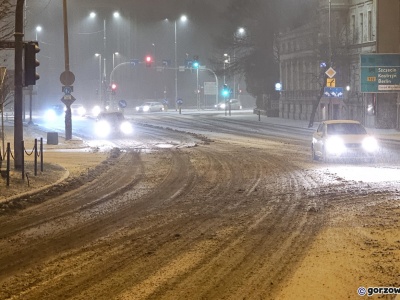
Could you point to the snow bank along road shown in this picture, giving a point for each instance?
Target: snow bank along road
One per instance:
(245, 214)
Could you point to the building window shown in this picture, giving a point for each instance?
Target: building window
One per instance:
(361, 27)
(353, 28)
(369, 26)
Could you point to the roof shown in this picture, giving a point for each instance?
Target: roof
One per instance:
(340, 121)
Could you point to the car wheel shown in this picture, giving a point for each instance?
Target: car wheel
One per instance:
(314, 156)
(325, 157)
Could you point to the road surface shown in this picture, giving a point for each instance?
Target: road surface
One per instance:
(207, 207)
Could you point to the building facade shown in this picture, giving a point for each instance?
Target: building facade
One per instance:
(339, 33)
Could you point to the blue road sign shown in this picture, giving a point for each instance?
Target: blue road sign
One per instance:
(122, 103)
(333, 92)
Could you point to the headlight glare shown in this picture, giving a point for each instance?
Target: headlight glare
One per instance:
(335, 145)
(370, 144)
(126, 128)
(103, 129)
(96, 110)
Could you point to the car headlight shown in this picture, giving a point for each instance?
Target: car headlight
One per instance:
(223, 105)
(370, 144)
(96, 110)
(137, 108)
(103, 129)
(146, 108)
(81, 111)
(126, 127)
(335, 145)
(51, 115)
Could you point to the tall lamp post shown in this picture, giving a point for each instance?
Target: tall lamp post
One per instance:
(37, 30)
(183, 18)
(114, 54)
(92, 15)
(239, 34)
(100, 79)
(227, 60)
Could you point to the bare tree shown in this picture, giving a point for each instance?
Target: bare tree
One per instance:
(7, 13)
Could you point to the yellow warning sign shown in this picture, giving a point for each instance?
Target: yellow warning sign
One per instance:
(330, 82)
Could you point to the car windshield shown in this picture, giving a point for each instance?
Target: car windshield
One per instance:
(346, 128)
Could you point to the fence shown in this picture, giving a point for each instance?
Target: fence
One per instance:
(8, 155)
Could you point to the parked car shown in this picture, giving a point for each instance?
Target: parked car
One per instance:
(150, 107)
(235, 105)
(342, 139)
(111, 124)
(78, 110)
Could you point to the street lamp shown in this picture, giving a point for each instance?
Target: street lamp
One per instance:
(183, 18)
(114, 54)
(38, 29)
(240, 33)
(92, 15)
(227, 60)
(100, 81)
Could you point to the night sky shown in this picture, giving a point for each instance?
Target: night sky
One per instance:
(141, 30)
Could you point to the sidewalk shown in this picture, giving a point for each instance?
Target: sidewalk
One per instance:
(66, 159)
(385, 134)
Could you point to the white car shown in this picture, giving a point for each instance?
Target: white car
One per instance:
(150, 107)
(342, 139)
(234, 103)
(112, 124)
(78, 110)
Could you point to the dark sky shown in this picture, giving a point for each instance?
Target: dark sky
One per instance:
(141, 30)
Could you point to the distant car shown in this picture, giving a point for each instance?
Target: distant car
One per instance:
(111, 124)
(342, 139)
(78, 110)
(234, 103)
(150, 107)
(54, 112)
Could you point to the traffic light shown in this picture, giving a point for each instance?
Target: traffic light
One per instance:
(226, 91)
(113, 88)
(30, 75)
(195, 63)
(149, 60)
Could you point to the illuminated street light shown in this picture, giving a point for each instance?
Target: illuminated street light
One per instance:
(93, 15)
(100, 85)
(38, 29)
(227, 60)
(183, 19)
(114, 54)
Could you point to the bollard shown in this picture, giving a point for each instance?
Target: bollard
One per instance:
(35, 158)
(259, 115)
(41, 154)
(8, 163)
(180, 110)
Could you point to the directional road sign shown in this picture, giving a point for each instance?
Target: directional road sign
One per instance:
(333, 92)
(380, 73)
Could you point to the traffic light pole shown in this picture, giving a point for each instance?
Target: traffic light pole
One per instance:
(68, 115)
(18, 126)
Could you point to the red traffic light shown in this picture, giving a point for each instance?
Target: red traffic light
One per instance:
(148, 61)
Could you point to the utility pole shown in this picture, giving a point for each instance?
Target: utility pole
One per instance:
(18, 126)
(67, 78)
